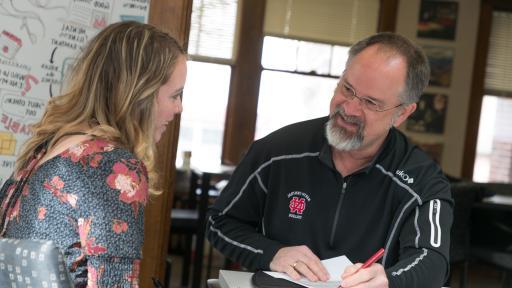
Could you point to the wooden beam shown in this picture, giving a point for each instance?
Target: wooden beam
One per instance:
(174, 17)
(388, 12)
(477, 89)
(245, 82)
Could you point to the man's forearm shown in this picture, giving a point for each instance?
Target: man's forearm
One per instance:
(427, 269)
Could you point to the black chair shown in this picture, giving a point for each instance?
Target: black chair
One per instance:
(492, 237)
(464, 196)
(190, 221)
(185, 222)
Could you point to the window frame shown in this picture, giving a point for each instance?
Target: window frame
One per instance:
(240, 124)
(478, 82)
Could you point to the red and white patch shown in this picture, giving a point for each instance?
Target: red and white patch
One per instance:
(298, 204)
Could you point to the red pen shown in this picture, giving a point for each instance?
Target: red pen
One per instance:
(372, 260)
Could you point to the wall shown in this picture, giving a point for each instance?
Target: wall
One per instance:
(39, 41)
(458, 92)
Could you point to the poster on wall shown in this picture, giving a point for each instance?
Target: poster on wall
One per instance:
(437, 19)
(429, 115)
(39, 41)
(441, 65)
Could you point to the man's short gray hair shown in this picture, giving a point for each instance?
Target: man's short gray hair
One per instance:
(418, 69)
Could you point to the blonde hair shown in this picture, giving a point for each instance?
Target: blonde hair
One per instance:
(112, 88)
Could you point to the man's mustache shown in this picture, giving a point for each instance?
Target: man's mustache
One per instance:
(350, 119)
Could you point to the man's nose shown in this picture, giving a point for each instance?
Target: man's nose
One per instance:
(353, 107)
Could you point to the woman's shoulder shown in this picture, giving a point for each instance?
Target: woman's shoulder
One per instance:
(94, 147)
(100, 156)
(100, 168)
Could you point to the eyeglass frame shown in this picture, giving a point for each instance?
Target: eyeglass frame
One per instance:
(364, 101)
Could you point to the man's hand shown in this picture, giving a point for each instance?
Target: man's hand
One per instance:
(371, 277)
(297, 261)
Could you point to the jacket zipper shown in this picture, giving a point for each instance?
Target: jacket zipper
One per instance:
(337, 215)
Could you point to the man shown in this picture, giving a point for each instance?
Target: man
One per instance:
(347, 184)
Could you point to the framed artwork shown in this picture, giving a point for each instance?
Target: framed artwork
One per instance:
(430, 114)
(441, 64)
(437, 19)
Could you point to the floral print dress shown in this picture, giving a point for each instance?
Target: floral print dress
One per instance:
(89, 200)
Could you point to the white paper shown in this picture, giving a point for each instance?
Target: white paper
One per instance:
(335, 266)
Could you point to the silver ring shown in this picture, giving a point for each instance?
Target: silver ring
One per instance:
(294, 264)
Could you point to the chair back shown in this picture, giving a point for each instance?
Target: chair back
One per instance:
(464, 195)
(32, 263)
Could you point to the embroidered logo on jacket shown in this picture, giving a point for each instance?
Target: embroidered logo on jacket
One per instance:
(404, 176)
(297, 204)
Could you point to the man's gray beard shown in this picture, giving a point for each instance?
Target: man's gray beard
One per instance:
(337, 136)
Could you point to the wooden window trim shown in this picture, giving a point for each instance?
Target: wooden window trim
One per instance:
(478, 82)
(242, 107)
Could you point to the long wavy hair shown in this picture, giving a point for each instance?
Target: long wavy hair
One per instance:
(112, 88)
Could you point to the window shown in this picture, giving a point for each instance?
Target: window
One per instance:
(493, 161)
(304, 53)
(298, 81)
(205, 101)
(308, 42)
(211, 49)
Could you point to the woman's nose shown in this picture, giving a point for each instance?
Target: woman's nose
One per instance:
(179, 107)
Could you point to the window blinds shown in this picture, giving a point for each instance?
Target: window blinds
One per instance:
(498, 74)
(212, 28)
(332, 21)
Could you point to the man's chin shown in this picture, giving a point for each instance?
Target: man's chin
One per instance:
(341, 139)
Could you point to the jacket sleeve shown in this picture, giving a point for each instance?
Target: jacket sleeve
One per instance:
(425, 242)
(235, 225)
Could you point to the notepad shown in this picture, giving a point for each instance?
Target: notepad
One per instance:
(335, 266)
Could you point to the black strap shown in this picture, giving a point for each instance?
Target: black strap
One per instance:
(261, 279)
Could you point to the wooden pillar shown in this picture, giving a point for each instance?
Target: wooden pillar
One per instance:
(477, 89)
(245, 83)
(388, 12)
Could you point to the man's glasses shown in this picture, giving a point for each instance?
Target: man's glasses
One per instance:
(349, 93)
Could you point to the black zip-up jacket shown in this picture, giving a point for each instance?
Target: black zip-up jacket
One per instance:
(287, 192)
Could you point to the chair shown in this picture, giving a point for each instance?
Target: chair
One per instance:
(185, 221)
(32, 263)
(492, 242)
(205, 182)
(191, 221)
(464, 195)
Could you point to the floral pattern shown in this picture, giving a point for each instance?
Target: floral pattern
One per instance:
(55, 186)
(88, 153)
(119, 226)
(132, 187)
(91, 195)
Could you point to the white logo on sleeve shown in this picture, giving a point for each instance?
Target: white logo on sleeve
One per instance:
(435, 227)
(404, 176)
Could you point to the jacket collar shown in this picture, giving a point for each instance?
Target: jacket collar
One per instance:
(326, 153)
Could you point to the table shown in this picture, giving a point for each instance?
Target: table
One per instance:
(491, 233)
(492, 223)
(238, 279)
(231, 279)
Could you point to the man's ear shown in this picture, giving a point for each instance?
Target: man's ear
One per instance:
(404, 113)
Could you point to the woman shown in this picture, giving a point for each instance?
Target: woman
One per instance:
(84, 177)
